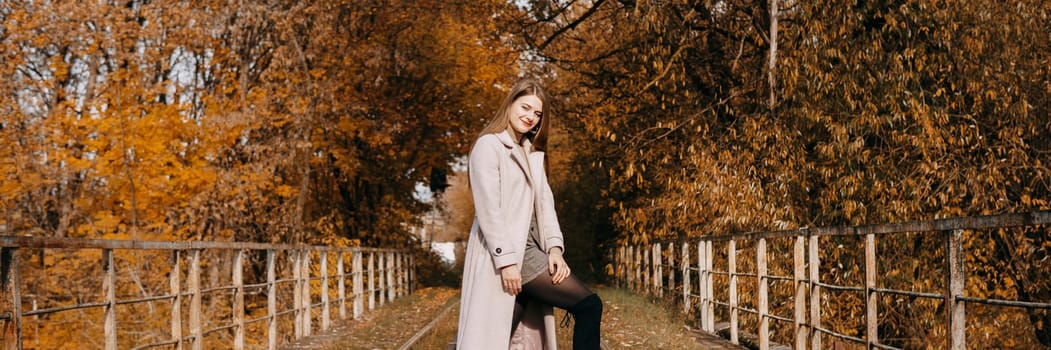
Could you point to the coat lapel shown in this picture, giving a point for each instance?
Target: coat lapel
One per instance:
(517, 155)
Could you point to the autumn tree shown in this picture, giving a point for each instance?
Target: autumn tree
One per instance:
(921, 110)
(412, 83)
(275, 121)
(870, 112)
(103, 136)
(309, 110)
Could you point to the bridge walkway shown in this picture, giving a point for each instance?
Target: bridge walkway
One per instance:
(427, 320)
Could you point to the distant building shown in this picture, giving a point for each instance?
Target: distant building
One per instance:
(433, 223)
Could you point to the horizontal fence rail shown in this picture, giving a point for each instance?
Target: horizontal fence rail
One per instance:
(188, 295)
(706, 273)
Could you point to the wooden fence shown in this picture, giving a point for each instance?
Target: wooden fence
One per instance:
(281, 274)
(655, 268)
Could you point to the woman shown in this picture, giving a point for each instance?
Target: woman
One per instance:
(513, 269)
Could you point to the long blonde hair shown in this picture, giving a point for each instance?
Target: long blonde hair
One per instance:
(500, 121)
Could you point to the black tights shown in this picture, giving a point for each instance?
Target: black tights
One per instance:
(571, 295)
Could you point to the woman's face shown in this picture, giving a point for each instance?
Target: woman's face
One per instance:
(525, 113)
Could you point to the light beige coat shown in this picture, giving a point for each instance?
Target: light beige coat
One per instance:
(507, 189)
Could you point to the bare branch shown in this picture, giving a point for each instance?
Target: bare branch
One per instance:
(570, 26)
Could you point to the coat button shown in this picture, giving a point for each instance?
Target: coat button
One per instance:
(498, 250)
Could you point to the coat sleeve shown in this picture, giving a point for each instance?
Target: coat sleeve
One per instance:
(484, 172)
(551, 226)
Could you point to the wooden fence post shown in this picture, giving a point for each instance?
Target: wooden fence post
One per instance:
(372, 281)
(646, 269)
(109, 295)
(307, 327)
(399, 277)
(629, 269)
(799, 321)
(731, 251)
(639, 262)
(871, 320)
(671, 267)
(239, 300)
(702, 282)
(633, 272)
(359, 301)
(815, 294)
(955, 309)
(404, 268)
(297, 293)
(391, 288)
(195, 300)
(395, 273)
(326, 319)
(381, 272)
(16, 297)
(175, 285)
(404, 274)
(651, 269)
(637, 281)
(764, 302)
(685, 262)
(709, 261)
(271, 300)
(658, 270)
(341, 288)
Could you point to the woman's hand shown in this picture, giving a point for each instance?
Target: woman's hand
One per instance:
(512, 279)
(556, 266)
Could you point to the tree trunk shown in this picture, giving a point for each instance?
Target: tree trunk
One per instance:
(771, 67)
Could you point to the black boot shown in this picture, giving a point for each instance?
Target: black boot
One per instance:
(588, 316)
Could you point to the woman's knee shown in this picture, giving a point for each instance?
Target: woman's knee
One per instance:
(591, 305)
